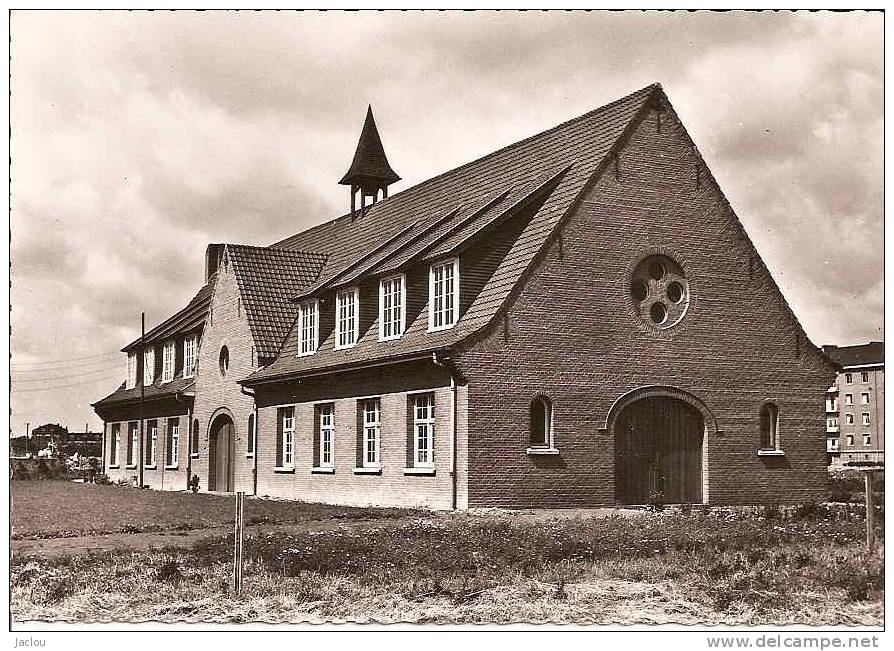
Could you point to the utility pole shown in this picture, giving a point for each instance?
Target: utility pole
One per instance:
(140, 373)
(27, 439)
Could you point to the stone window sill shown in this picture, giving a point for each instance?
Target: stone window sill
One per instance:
(174, 466)
(770, 453)
(114, 467)
(542, 451)
(129, 467)
(419, 471)
(285, 469)
(249, 455)
(368, 470)
(322, 471)
(194, 455)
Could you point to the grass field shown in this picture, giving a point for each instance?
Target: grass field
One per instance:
(698, 568)
(49, 509)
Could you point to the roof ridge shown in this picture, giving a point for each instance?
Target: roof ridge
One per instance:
(275, 249)
(645, 90)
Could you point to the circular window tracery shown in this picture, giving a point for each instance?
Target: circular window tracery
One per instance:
(660, 291)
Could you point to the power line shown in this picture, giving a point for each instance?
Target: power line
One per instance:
(117, 369)
(66, 361)
(60, 386)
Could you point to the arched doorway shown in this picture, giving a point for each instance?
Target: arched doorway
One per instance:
(221, 454)
(658, 448)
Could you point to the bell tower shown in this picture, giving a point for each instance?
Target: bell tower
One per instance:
(370, 172)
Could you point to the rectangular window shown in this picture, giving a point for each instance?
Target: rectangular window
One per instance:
(848, 398)
(849, 439)
(131, 371)
(346, 318)
(443, 304)
(250, 444)
(194, 439)
(864, 398)
(372, 432)
(848, 378)
(391, 308)
(866, 418)
(173, 443)
(167, 370)
(424, 430)
(148, 366)
(286, 440)
(151, 443)
(867, 439)
(864, 377)
(115, 453)
(190, 346)
(133, 444)
(326, 415)
(848, 419)
(309, 327)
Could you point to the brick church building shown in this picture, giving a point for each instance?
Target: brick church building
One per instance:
(577, 319)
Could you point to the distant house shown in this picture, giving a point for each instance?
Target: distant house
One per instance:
(59, 439)
(576, 319)
(855, 406)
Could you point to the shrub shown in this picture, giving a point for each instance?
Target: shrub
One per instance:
(771, 511)
(811, 511)
(656, 500)
(169, 572)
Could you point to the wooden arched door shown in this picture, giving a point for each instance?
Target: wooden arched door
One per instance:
(658, 449)
(221, 454)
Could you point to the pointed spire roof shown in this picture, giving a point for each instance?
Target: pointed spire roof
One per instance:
(370, 163)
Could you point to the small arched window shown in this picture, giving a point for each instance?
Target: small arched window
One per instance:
(541, 423)
(194, 438)
(251, 436)
(769, 416)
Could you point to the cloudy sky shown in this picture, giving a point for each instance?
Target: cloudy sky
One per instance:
(137, 138)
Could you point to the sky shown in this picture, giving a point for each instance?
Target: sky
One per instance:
(140, 137)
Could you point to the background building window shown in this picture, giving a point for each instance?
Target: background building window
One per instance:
(866, 418)
(443, 308)
(391, 308)
(148, 366)
(769, 416)
(309, 327)
(849, 440)
(867, 439)
(189, 355)
(541, 423)
(424, 430)
(848, 398)
(848, 419)
(864, 377)
(346, 318)
(848, 378)
(167, 369)
(864, 398)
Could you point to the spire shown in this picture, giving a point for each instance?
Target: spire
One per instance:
(369, 171)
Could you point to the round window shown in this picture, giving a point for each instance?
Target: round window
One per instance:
(223, 361)
(659, 291)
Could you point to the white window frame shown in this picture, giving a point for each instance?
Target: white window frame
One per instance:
(149, 366)
(424, 428)
(172, 442)
(396, 326)
(345, 338)
(116, 441)
(133, 458)
(452, 317)
(848, 378)
(849, 440)
(848, 419)
(864, 398)
(849, 399)
(309, 327)
(867, 439)
(864, 377)
(327, 435)
(189, 361)
(288, 438)
(372, 433)
(549, 443)
(152, 448)
(865, 418)
(131, 380)
(169, 363)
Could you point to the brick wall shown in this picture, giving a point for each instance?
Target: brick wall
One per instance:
(218, 394)
(394, 385)
(573, 334)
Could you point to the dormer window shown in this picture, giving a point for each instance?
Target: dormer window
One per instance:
(148, 366)
(346, 318)
(167, 368)
(131, 371)
(309, 319)
(392, 306)
(190, 346)
(443, 291)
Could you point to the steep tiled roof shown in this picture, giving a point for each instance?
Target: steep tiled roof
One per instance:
(580, 148)
(267, 279)
(370, 162)
(871, 353)
(156, 390)
(185, 320)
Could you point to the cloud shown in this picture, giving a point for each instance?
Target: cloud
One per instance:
(139, 137)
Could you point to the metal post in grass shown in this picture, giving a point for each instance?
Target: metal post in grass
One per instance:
(237, 542)
(870, 510)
